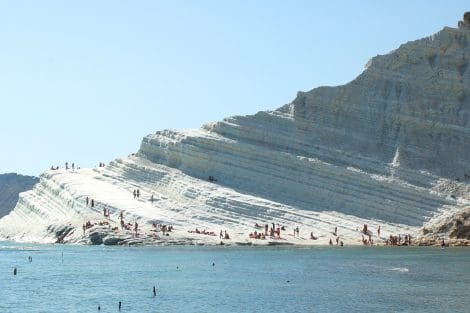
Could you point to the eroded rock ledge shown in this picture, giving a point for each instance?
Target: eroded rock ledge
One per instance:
(391, 149)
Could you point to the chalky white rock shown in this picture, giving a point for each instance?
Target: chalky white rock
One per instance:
(390, 148)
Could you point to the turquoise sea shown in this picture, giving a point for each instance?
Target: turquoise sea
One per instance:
(64, 278)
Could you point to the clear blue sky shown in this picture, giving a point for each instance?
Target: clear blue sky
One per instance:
(84, 81)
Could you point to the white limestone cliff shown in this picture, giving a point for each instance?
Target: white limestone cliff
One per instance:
(390, 148)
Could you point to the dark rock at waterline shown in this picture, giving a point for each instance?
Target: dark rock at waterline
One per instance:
(96, 238)
(62, 232)
(112, 241)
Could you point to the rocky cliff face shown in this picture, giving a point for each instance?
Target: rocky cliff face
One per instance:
(373, 147)
(392, 147)
(10, 187)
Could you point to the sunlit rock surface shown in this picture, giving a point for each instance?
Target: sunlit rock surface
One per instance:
(390, 148)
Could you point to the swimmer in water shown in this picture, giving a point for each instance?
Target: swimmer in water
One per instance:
(154, 291)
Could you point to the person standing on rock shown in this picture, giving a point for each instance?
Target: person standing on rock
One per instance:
(135, 193)
(378, 231)
(138, 193)
(87, 200)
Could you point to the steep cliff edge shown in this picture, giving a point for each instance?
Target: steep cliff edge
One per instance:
(390, 148)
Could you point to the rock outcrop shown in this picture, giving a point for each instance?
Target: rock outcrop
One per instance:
(390, 148)
(11, 185)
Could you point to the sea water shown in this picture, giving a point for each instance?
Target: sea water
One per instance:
(64, 278)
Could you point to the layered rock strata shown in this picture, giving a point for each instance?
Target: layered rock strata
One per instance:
(390, 148)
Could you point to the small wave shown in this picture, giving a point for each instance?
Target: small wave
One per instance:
(400, 269)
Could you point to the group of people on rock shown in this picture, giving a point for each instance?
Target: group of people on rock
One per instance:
(398, 240)
(136, 193)
(367, 241)
(54, 168)
(91, 202)
(256, 235)
(67, 166)
(127, 226)
(101, 164)
(224, 235)
(87, 225)
(202, 232)
(297, 232)
(163, 228)
(273, 231)
(338, 242)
